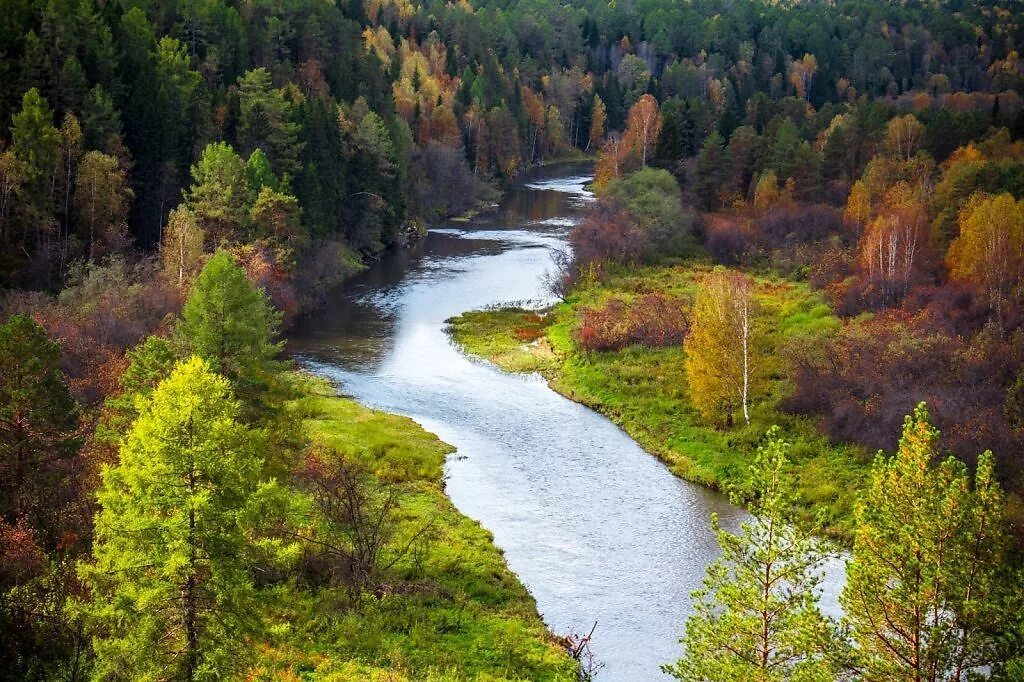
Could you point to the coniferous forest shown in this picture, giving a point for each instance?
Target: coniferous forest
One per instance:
(798, 280)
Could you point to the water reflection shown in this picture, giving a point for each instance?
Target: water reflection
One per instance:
(596, 528)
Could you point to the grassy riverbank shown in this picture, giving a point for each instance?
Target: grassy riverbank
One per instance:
(452, 609)
(644, 390)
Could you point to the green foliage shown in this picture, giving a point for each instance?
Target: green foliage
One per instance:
(454, 611)
(33, 137)
(231, 324)
(258, 174)
(171, 590)
(651, 196)
(756, 617)
(928, 584)
(217, 196)
(644, 390)
(38, 427)
(266, 122)
(149, 363)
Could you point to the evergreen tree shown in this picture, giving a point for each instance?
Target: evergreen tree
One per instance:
(230, 323)
(170, 587)
(928, 595)
(757, 618)
(713, 171)
(217, 196)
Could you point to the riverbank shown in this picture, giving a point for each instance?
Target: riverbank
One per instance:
(644, 390)
(451, 610)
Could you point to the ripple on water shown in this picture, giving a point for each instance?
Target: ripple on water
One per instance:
(596, 528)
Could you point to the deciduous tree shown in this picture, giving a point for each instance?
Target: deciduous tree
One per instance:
(989, 252)
(723, 358)
(170, 586)
(102, 198)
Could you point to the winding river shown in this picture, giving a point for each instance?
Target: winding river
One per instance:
(596, 528)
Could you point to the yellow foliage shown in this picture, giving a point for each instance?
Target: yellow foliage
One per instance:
(722, 348)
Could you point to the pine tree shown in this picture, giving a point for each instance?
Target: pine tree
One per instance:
(217, 196)
(927, 595)
(170, 586)
(756, 619)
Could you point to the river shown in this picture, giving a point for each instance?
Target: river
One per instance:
(595, 527)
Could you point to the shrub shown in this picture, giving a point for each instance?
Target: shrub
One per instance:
(607, 234)
(652, 320)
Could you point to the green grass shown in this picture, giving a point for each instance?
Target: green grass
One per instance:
(452, 609)
(644, 390)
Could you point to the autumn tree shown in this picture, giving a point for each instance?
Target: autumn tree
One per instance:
(181, 251)
(642, 125)
(904, 135)
(801, 75)
(893, 243)
(171, 590)
(757, 616)
(102, 198)
(38, 427)
(928, 596)
(723, 357)
(989, 252)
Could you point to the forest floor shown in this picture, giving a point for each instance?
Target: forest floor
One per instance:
(644, 390)
(452, 609)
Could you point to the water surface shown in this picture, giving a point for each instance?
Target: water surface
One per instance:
(596, 528)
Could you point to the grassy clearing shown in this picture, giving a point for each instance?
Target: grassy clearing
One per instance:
(453, 610)
(644, 390)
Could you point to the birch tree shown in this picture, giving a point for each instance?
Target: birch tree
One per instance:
(989, 252)
(722, 348)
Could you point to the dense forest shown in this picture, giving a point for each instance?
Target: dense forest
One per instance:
(823, 203)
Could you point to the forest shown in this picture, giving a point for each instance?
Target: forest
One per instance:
(809, 223)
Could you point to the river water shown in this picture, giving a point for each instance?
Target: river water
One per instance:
(596, 528)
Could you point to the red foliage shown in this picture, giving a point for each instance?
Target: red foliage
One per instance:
(21, 557)
(105, 310)
(863, 381)
(652, 320)
(264, 264)
(607, 234)
(728, 240)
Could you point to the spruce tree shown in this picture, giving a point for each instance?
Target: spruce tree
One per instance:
(230, 323)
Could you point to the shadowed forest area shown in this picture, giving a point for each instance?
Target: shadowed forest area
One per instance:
(807, 248)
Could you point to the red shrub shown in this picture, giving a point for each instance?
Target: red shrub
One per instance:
(866, 378)
(607, 234)
(653, 320)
